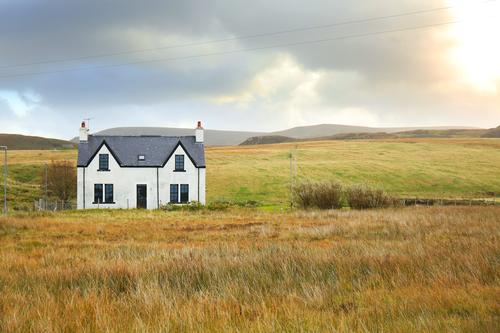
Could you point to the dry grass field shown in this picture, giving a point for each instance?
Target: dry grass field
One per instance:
(420, 269)
(428, 168)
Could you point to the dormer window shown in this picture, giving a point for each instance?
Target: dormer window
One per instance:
(103, 162)
(141, 157)
(179, 163)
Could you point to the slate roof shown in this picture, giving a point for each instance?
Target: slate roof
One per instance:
(126, 149)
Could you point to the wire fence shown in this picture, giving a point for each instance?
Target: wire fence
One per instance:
(56, 205)
(449, 202)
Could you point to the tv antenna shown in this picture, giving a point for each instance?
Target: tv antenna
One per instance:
(87, 121)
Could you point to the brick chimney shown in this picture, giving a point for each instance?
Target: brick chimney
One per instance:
(199, 133)
(84, 132)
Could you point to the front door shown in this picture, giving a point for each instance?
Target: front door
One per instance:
(142, 196)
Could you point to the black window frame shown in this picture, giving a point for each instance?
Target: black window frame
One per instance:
(174, 187)
(184, 193)
(98, 194)
(179, 163)
(103, 162)
(109, 196)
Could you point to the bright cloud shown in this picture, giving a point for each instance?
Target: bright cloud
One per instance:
(445, 75)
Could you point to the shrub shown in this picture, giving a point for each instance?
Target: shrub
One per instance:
(225, 204)
(219, 205)
(192, 206)
(61, 180)
(329, 195)
(364, 197)
(215, 205)
(325, 195)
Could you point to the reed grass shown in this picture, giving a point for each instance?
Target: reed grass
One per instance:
(417, 269)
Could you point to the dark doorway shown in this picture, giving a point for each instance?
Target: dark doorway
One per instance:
(142, 196)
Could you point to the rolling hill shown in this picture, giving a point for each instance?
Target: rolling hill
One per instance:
(25, 142)
(492, 133)
(420, 133)
(424, 168)
(227, 138)
(212, 137)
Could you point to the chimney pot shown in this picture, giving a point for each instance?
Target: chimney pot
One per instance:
(199, 133)
(84, 132)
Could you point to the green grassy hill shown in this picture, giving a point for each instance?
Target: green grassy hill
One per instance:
(24, 142)
(425, 168)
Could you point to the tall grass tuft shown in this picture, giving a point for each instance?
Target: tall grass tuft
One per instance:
(364, 197)
(332, 195)
(326, 195)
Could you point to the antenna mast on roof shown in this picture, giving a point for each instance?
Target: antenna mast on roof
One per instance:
(87, 120)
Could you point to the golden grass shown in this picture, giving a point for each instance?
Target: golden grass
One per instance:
(402, 270)
(41, 156)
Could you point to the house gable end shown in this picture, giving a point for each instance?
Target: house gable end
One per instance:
(186, 151)
(98, 150)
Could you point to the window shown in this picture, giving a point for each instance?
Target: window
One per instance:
(174, 193)
(108, 193)
(179, 162)
(141, 157)
(184, 193)
(98, 193)
(103, 162)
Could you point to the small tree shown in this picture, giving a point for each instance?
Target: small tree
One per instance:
(61, 180)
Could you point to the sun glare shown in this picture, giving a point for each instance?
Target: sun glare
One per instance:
(478, 42)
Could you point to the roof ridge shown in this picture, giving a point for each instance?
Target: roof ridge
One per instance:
(142, 136)
(126, 148)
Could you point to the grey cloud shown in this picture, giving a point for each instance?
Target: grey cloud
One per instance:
(390, 70)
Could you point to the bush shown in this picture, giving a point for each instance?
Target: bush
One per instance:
(326, 195)
(219, 205)
(224, 204)
(330, 195)
(364, 197)
(192, 206)
(215, 205)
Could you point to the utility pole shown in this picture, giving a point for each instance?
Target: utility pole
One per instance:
(295, 165)
(291, 179)
(5, 173)
(46, 184)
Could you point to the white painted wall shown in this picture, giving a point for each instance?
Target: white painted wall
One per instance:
(125, 181)
(169, 176)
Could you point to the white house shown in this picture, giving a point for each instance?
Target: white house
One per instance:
(139, 171)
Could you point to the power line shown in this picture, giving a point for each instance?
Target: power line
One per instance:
(307, 42)
(242, 37)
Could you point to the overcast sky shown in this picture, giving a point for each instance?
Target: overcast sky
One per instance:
(443, 75)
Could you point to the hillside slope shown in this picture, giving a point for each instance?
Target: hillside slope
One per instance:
(423, 168)
(327, 130)
(230, 138)
(25, 142)
(212, 137)
(422, 133)
(492, 133)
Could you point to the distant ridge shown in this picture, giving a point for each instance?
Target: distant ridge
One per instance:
(212, 137)
(26, 142)
(421, 133)
(323, 130)
(225, 138)
(492, 133)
